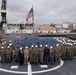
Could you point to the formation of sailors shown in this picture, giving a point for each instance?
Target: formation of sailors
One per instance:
(66, 50)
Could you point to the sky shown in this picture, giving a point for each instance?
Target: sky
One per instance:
(45, 11)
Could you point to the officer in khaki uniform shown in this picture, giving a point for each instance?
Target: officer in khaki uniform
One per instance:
(2, 51)
(74, 49)
(67, 52)
(40, 54)
(57, 53)
(31, 54)
(75, 52)
(2, 44)
(74, 46)
(35, 55)
(63, 52)
(11, 49)
(8, 54)
(26, 55)
(16, 50)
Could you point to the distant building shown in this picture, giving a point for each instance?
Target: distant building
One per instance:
(45, 28)
(74, 24)
(19, 28)
(67, 24)
(74, 29)
(12, 28)
(58, 25)
(62, 30)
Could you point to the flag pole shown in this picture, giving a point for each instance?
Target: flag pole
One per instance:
(32, 15)
(33, 18)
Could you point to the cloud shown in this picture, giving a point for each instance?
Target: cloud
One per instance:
(45, 11)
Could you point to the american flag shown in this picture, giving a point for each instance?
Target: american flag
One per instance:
(29, 15)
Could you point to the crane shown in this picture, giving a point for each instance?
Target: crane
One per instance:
(3, 12)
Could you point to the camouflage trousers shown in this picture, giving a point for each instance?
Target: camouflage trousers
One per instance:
(40, 57)
(35, 58)
(63, 56)
(17, 57)
(57, 58)
(3, 58)
(8, 58)
(31, 58)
